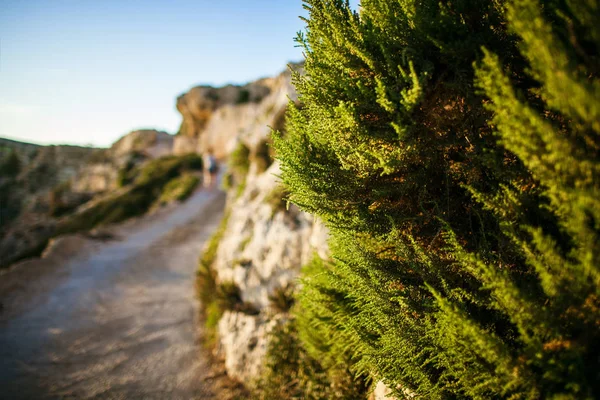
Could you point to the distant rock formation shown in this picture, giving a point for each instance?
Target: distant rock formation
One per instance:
(101, 175)
(149, 142)
(25, 192)
(217, 118)
(52, 181)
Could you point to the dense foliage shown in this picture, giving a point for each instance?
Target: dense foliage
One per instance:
(453, 149)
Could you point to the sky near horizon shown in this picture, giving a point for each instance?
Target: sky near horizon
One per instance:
(87, 72)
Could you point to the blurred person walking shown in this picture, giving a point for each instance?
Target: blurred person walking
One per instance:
(210, 169)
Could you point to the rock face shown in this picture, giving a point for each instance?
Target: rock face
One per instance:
(243, 343)
(26, 192)
(216, 118)
(262, 251)
(265, 244)
(96, 178)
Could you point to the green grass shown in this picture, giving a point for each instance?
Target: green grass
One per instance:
(206, 285)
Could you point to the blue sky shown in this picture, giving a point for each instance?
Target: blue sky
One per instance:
(89, 71)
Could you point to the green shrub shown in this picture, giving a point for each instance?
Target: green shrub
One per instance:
(279, 122)
(461, 188)
(178, 189)
(277, 199)
(227, 181)
(62, 201)
(310, 355)
(162, 170)
(262, 156)
(123, 177)
(127, 174)
(229, 298)
(239, 161)
(10, 165)
(239, 165)
(322, 320)
(282, 299)
(243, 96)
(291, 373)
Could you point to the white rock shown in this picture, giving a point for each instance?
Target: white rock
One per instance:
(243, 341)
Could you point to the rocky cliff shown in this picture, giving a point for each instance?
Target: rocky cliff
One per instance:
(218, 118)
(265, 242)
(40, 185)
(262, 250)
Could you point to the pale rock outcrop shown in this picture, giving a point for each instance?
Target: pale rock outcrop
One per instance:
(249, 122)
(381, 392)
(101, 175)
(217, 118)
(199, 104)
(262, 249)
(96, 178)
(151, 143)
(65, 176)
(184, 145)
(243, 343)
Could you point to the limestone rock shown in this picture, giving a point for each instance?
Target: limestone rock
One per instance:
(184, 145)
(96, 178)
(243, 343)
(381, 392)
(263, 249)
(219, 117)
(151, 143)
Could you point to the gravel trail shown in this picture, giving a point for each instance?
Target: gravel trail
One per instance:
(112, 319)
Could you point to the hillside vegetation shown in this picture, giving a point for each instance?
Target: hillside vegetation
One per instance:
(155, 182)
(42, 198)
(453, 150)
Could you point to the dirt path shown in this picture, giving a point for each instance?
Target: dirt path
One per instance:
(114, 319)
